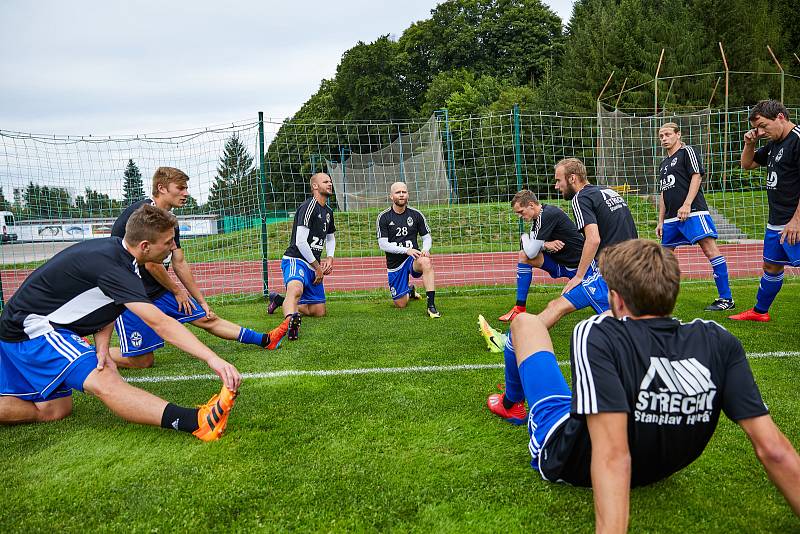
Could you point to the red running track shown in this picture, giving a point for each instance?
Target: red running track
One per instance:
(481, 269)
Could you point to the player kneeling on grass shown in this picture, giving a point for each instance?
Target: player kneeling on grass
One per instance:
(553, 245)
(648, 390)
(137, 340)
(398, 229)
(79, 292)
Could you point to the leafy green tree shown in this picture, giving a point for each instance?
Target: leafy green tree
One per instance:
(42, 201)
(95, 204)
(133, 188)
(190, 208)
(5, 205)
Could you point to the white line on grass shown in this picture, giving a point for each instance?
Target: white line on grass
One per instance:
(387, 370)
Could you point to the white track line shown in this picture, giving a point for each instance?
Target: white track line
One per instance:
(386, 370)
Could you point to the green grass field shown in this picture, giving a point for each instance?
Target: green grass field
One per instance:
(416, 451)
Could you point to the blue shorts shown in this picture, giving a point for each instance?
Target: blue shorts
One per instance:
(297, 269)
(776, 253)
(555, 269)
(548, 397)
(398, 278)
(592, 291)
(136, 338)
(46, 367)
(697, 226)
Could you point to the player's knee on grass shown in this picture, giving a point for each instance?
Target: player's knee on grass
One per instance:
(144, 361)
(402, 302)
(313, 310)
(54, 410)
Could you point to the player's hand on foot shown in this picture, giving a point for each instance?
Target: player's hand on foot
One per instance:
(226, 372)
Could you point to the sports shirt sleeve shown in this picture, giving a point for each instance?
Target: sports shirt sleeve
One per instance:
(422, 224)
(693, 162)
(177, 236)
(383, 226)
(332, 228)
(547, 224)
(122, 285)
(597, 386)
(741, 398)
(583, 210)
(330, 244)
(301, 241)
(762, 155)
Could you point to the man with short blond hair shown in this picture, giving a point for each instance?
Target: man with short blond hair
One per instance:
(553, 244)
(647, 393)
(183, 302)
(44, 356)
(398, 228)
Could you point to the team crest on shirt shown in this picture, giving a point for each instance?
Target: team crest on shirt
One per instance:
(136, 339)
(779, 155)
(673, 162)
(80, 341)
(675, 392)
(410, 221)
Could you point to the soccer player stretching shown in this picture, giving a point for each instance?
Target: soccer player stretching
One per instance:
(80, 292)
(398, 229)
(137, 340)
(683, 217)
(647, 393)
(781, 156)
(553, 245)
(302, 264)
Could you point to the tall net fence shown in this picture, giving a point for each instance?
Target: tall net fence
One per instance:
(462, 171)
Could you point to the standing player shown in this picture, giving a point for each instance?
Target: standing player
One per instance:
(683, 217)
(553, 245)
(604, 218)
(398, 228)
(302, 266)
(80, 292)
(648, 390)
(781, 156)
(137, 340)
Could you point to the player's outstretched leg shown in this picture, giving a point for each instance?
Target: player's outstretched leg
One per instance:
(495, 341)
(275, 302)
(424, 265)
(207, 422)
(276, 335)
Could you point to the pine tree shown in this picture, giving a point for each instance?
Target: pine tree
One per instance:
(5, 205)
(235, 187)
(133, 189)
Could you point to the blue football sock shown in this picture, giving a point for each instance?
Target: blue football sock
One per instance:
(514, 391)
(524, 279)
(550, 266)
(768, 290)
(250, 337)
(720, 267)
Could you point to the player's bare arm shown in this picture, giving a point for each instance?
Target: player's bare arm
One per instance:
(749, 151)
(778, 456)
(102, 344)
(661, 215)
(159, 272)
(176, 334)
(184, 274)
(694, 188)
(610, 470)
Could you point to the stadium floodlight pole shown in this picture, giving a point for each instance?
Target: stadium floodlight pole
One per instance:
(725, 135)
(780, 67)
(263, 206)
(655, 84)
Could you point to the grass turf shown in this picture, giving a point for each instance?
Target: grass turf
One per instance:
(409, 452)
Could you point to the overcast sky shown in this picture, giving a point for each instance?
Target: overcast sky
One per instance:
(124, 67)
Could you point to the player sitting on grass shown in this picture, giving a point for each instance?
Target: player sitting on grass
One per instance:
(553, 245)
(683, 217)
(80, 292)
(137, 340)
(648, 390)
(398, 229)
